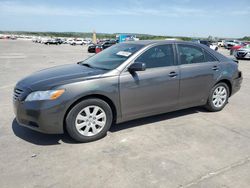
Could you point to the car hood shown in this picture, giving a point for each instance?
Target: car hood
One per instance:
(52, 77)
(244, 50)
(237, 47)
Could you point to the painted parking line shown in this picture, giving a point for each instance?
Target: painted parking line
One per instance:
(12, 56)
(7, 86)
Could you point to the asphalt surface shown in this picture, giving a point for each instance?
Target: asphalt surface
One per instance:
(188, 148)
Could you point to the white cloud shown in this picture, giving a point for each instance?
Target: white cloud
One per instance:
(8, 7)
(17, 8)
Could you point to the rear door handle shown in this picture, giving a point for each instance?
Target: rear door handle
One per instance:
(172, 74)
(215, 68)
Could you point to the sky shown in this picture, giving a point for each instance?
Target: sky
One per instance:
(193, 18)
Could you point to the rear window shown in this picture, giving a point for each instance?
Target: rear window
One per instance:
(194, 54)
(209, 57)
(190, 54)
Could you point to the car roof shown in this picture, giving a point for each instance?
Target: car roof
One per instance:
(149, 42)
(219, 56)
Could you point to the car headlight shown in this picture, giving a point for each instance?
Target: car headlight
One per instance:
(44, 95)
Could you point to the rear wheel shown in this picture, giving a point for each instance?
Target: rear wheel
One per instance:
(89, 120)
(218, 97)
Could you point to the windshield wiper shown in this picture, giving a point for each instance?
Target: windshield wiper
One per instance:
(102, 68)
(85, 64)
(88, 65)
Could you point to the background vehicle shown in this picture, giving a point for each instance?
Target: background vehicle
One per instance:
(69, 41)
(213, 46)
(104, 45)
(60, 41)
(207, 43)
(243, 53)
(91, 48)
(53, 41)
(237, 47)
(86, 42)
(43, 40)
(124, 82)
(230, 43)
(220, 43)
(77, 42)
(96, 48)
(126, 37)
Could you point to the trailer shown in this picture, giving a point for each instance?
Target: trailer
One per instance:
(125, 37)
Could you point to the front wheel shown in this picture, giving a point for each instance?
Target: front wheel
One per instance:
(218, 97)
(89, 120)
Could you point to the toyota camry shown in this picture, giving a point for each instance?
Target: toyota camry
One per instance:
(126, 81)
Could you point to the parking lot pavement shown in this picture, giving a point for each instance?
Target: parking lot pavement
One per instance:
(188, 148)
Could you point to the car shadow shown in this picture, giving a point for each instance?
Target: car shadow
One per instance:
(156, 118)
(38, 138)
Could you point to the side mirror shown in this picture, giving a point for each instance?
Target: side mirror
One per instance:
(137, 66)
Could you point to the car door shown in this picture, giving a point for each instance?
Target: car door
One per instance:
(198, 70)
(154, 90)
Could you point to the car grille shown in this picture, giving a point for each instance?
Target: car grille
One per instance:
(241, 54)
(18, 94)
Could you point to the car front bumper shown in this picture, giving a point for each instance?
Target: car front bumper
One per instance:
(242, 55)
(41, 116)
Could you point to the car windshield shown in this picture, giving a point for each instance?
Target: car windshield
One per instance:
(112, 57)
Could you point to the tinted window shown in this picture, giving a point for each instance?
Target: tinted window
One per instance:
(190, 54)
(209, 57)
(158, 56)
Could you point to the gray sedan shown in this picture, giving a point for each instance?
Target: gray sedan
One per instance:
(124, 82)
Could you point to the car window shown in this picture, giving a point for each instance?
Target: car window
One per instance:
(113, 56)
(190, 54)
(158, 56)
(209, 57)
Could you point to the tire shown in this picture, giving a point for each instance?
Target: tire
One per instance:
(222, 99)
(81, 121)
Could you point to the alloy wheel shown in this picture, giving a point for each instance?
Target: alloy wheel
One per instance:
(219, 96)
(90, 120)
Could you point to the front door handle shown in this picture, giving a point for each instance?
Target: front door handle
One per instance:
(172, 74)
(215, 68)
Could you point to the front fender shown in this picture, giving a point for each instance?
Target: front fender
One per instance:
(106, 87)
